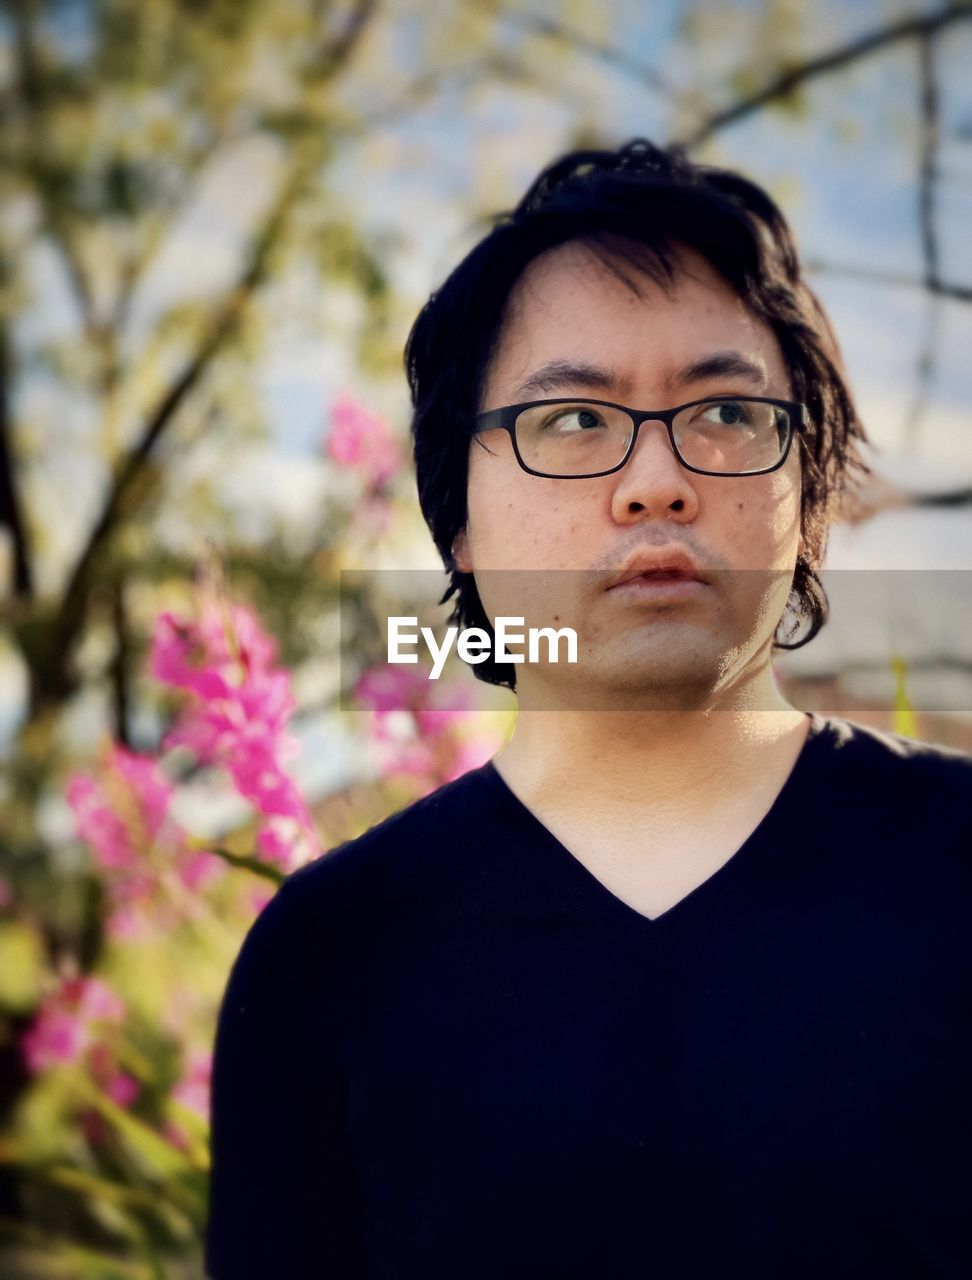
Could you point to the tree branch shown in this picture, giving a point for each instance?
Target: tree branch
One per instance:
(927, 179)
(51, 680)
(31, 91)
(877, 494)
(958, 292)
(833, 60)
(930, 139)
(119, 671)
(416, 92)
(332, 57)
(163, 218)
(10, 513)
(615, 57)
(339, 48)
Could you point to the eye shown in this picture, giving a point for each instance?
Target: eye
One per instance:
(727, 413)
(585, 417)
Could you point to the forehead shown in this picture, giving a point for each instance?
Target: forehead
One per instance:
(571, 304)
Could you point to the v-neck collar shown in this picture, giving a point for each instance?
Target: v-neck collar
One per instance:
(732, 871)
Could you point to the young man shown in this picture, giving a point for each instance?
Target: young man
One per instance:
(678, 983)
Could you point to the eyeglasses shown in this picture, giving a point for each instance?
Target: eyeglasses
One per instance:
(581, 439)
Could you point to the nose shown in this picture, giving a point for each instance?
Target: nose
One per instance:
(653, 482)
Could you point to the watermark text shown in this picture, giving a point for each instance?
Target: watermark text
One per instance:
(474, 644)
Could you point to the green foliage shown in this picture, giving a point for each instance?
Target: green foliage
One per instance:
(21, 967)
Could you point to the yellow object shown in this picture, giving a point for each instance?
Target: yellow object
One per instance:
(905, 721)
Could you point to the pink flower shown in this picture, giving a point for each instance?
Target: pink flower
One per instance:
(407, 756)
(286, 842)
(212, 654)
(198, 870)
(123, 1089)
(373, 515)
(124, 811)
(64, 1027)
(96, 1001)
(103, 1067)
(238, 708)
(57, 1035)
(434, 720)
(435, 704)
(127, 923)
(102, 829)
(418, 725)
(472, 752)
(392, 687)
(258, 897)
(253, 759)
(191, 1091)
(123, 815)
(360, 439)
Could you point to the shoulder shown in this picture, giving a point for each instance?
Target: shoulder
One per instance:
(884, 758)
(877, 842)
(404, 861)
(897, 807)
(349, 901)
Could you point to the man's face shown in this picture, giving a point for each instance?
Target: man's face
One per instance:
(568, 307)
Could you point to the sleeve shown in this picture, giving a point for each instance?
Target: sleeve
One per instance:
(283, 1199)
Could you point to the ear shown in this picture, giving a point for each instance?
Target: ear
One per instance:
(460, 551)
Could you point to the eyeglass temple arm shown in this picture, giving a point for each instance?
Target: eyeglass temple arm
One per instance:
(494, 418)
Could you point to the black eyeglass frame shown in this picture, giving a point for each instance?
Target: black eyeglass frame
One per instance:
(798, 419)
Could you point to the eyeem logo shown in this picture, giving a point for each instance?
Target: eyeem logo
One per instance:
(473, 644)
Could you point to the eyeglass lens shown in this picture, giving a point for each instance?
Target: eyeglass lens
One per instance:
(733, 436)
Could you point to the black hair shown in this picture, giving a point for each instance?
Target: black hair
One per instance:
(634, 204)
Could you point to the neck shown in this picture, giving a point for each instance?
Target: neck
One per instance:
(668, 761)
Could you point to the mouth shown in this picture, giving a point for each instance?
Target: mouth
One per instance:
(662, 565)
(662, 575)
(658, 585)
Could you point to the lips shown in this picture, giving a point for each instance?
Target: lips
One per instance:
(665, 575)
(659, 566)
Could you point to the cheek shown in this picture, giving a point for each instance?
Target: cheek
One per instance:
(764, 522)
(520, 521)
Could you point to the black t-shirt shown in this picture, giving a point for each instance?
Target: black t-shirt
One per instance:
(448, 1052)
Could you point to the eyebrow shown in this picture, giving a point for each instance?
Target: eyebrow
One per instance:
(562, 375)
(721, 364)
(565, 375)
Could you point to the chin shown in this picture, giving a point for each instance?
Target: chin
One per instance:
(634, 687)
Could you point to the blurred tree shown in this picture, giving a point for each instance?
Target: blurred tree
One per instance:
(118, 120)
(124, 122)
(113, 116)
